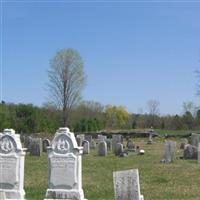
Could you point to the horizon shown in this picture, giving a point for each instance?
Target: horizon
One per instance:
(133, 51)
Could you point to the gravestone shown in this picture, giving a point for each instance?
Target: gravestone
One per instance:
(195, 139)
(88, 138)
(102, 148)
(130, 145)
(36, 147)
(102, 137)
(80, 138)
(86, 147)
(116, 139)
(109, 144)
(190, 152)
(126, 185)
(65, 167)
(183, 143)
(150, 141)
(118, 149)
(45, 144)
(27, 141)
(11, 166)
(169, 152)
(199, 153)
(93, 144)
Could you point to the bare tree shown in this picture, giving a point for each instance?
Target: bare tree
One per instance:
(153, 110)
(66, 80)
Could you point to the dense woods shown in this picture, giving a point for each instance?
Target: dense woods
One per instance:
(88, 116)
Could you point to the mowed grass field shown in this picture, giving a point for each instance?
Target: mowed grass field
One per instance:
(176, 181)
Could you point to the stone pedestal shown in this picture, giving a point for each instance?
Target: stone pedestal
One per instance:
(11, 166)
(65, 167)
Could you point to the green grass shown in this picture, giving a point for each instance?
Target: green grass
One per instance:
(177, 181)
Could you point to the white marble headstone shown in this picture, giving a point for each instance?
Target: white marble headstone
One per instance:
(65, 167)
(11, 166)
(126, 185)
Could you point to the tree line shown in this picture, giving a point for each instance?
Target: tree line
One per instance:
(89, 116)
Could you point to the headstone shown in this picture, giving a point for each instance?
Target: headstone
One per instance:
(45, 144)
(93, 144)
(116, 139)
(190, 152)
(109, 144)
(11, 166)
(169, 152)
(195, 139)
(102, 137)
(199, 153)
(130, 145)
(183, 143)
(86, 147)
(65, 168)
(150, 141)
(80, 138)
(36, 147)
(118, 149)
(88, 138)
(27, 142)
(126, 185)
(102, 148)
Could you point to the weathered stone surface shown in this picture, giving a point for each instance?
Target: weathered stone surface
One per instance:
(86, 147)
(109, 144)
(118, 149)
(65, 169)
(183, 143)
(169, 152)
(130, 145)
(27, 142)
(116, 139)
(194, 139)
(11, 165)
(35, 147)
(88, 138)
(198, 155)
(102, 148)
(126, 185)
(190, 152)
(93, 144)
(45, 144)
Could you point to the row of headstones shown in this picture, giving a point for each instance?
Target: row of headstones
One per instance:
(103, 145)
(64, 170)
(191, 149)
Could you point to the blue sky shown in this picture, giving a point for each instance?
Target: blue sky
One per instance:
(132, 51)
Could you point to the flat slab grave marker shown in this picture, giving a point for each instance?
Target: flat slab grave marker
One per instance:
(11, 166)
(64, 167)
(126, 185)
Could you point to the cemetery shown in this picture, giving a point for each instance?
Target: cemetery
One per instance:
(59, 168)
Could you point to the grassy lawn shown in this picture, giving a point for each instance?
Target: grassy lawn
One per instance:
(177, 181)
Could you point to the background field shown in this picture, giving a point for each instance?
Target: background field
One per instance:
(177, 181)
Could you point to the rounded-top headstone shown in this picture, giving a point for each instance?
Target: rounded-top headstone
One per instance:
(102, 148)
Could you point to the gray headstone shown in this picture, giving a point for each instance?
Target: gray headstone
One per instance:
(102, 148)
(183, 143)
(109, 144)
(195, 139)
(27, 142)
(12, 166)
(88, 138)
(65, 169)
(169, 152)
(45, 144)
(102, 137)
(118, 149)
(199, 153)
(93, 144)
(86, 147)
(116, 139)
(130, 145)
(190, 152)
(36, 147)
(126, 185)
